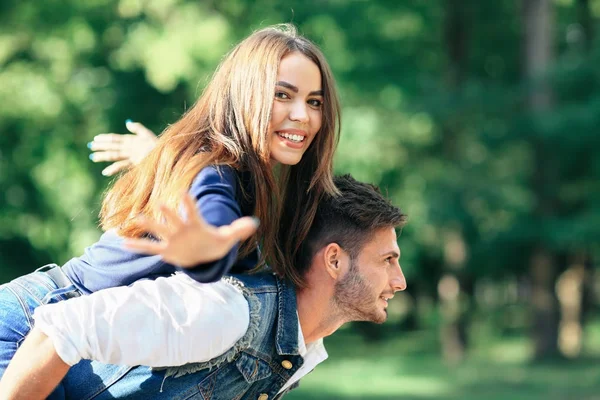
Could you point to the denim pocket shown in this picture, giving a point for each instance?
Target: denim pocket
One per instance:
(252, 368)
(233, 380)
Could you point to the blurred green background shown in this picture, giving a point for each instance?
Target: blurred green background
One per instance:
(479, 118)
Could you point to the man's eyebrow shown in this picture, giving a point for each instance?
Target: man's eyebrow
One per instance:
(295, 89)
(392, 253)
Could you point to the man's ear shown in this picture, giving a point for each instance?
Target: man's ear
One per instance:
(335, 259)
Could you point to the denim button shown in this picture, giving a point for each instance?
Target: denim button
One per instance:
(263, 396)
(286, 364)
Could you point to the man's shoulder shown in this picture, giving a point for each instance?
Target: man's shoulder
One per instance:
(265, 282)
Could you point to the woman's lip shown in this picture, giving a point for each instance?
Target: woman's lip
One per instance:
(291, 144)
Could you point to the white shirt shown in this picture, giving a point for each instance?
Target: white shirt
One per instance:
(313, 354)
(166, 322)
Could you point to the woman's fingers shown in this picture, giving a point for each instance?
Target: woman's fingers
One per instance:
(104, 146)
(172, 219)
(139, 129)
(116, 167)
(103, 156)
(239, 230)
(108, 138)
(157, 229)
(193, 216)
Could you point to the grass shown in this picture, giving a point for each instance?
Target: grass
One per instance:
(410, 367)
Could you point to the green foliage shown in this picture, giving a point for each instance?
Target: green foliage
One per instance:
(456, 156)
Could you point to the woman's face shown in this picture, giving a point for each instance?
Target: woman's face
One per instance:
(297, 108)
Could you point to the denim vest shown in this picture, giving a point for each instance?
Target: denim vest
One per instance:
(256, 367)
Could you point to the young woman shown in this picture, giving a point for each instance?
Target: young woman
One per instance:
(259, 141)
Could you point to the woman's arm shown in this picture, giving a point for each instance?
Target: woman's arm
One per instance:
(35, 370)
(191, 241)
(107, 263)
(215, 191)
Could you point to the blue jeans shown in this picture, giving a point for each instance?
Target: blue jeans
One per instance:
(18, 299)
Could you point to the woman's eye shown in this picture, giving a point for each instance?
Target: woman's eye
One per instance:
(315, 103)
(282, 95)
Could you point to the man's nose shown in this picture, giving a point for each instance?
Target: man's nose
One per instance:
(398, 281)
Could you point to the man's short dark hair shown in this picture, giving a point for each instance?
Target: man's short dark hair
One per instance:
(349, 219)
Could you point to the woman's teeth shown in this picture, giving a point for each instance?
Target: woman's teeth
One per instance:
(293, 138)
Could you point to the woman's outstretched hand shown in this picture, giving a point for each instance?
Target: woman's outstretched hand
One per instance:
(193, 241)
(124, 150)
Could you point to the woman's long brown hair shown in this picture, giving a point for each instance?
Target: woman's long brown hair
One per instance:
(229, 125)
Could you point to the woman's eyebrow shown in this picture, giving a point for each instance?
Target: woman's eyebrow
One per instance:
(296, 90)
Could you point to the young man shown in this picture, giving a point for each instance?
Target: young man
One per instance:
(246, 337)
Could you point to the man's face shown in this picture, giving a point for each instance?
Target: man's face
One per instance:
(372, 279)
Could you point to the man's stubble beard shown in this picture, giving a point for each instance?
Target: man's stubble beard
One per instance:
(353, 298)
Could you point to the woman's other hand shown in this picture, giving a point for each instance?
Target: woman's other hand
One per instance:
(123, 150)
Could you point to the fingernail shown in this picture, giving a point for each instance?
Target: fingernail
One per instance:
(128, 121)
(89, 145)
(105, 172)
(256, 221)
(92, 156)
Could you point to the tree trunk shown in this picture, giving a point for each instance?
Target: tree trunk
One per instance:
(589, 296)
(538, 24)
(575, 286)
(453, 299)
(455, 291)
(570, 289)
(584, 18)
(544, 302)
